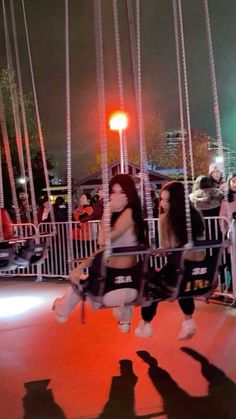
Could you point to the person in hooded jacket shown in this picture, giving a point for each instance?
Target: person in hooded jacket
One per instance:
(215, 175)
(228, 211)
(205, 197)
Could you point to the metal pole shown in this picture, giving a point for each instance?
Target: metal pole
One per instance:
(121, 152)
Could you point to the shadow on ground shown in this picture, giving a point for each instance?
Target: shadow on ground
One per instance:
(219, 403)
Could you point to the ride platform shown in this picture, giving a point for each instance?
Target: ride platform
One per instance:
(76, 371)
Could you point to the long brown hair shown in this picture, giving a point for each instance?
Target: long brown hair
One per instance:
(176, 215)
(127, 184)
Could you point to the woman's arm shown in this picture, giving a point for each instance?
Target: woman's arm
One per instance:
(223, 213)
(165, 241)
(122, 224)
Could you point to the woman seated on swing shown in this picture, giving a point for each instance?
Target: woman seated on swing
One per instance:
(127, 229)
(173, 234)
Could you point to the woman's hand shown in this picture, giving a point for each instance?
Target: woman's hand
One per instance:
(117, 204)
(159, 253)
(75, 275)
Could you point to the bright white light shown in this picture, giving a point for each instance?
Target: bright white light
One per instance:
(13, 306)
(219, 159)
(22, 180)
(118, 121)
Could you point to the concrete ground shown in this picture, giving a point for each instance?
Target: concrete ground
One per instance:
(74, 371)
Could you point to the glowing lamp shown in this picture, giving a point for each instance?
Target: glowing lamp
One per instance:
(118, 122)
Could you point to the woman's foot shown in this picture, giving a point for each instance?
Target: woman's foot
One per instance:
(187, 330)
(124, 327)
(144, 330)
(60, 318)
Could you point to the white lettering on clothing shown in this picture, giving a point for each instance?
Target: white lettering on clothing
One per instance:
(123, 279)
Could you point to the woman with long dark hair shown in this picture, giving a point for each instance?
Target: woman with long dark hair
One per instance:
(173, 234)
(123, 272)
(228, 211)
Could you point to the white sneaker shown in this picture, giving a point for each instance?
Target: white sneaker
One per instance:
(124, 327)
(60, 318)
(188, 329)
(144, 330)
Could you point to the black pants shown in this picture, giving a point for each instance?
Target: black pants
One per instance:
(187, 306)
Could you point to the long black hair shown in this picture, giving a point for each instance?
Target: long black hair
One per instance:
(230, 192)
(176, 215)
(127, 184)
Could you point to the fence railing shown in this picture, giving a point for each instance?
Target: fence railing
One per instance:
(57, 236)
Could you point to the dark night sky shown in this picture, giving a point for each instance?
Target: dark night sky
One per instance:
(160, 92)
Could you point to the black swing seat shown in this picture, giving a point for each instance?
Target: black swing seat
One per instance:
(178, 278)
(182, 278)
(11, 260)
(7, 259)
(34, 254)
(95, 285)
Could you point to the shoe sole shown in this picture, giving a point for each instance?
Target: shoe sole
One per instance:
(139, 335)
(189, 336)
(125, 330)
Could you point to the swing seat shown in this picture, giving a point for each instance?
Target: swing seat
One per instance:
(200, 278)
(8, 259)
(32, 255)
(98, 282)
(182, 278)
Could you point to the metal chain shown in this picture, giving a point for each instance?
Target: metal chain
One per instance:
(102, 115)
(216, 108)
(143, 152)
(186, 89)
(68, 132)
(120, 79)
(181, 115)
(15, 105)
(23, 114)
(133, 45)
(215, 100)
(39, 126)
(8, 159)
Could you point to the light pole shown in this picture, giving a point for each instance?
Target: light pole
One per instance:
(118, 122)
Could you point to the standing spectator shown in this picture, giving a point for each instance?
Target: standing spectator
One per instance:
(229, 207)
(26, 215)
(98, 206)
(215, 175)
(205, 197)
(7, 227)
(138, 183)
(60, 210)
(81, 232)
(44, 215)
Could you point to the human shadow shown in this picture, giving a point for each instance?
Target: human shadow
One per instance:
(220, 403)
(121, 403)
(39, 402)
